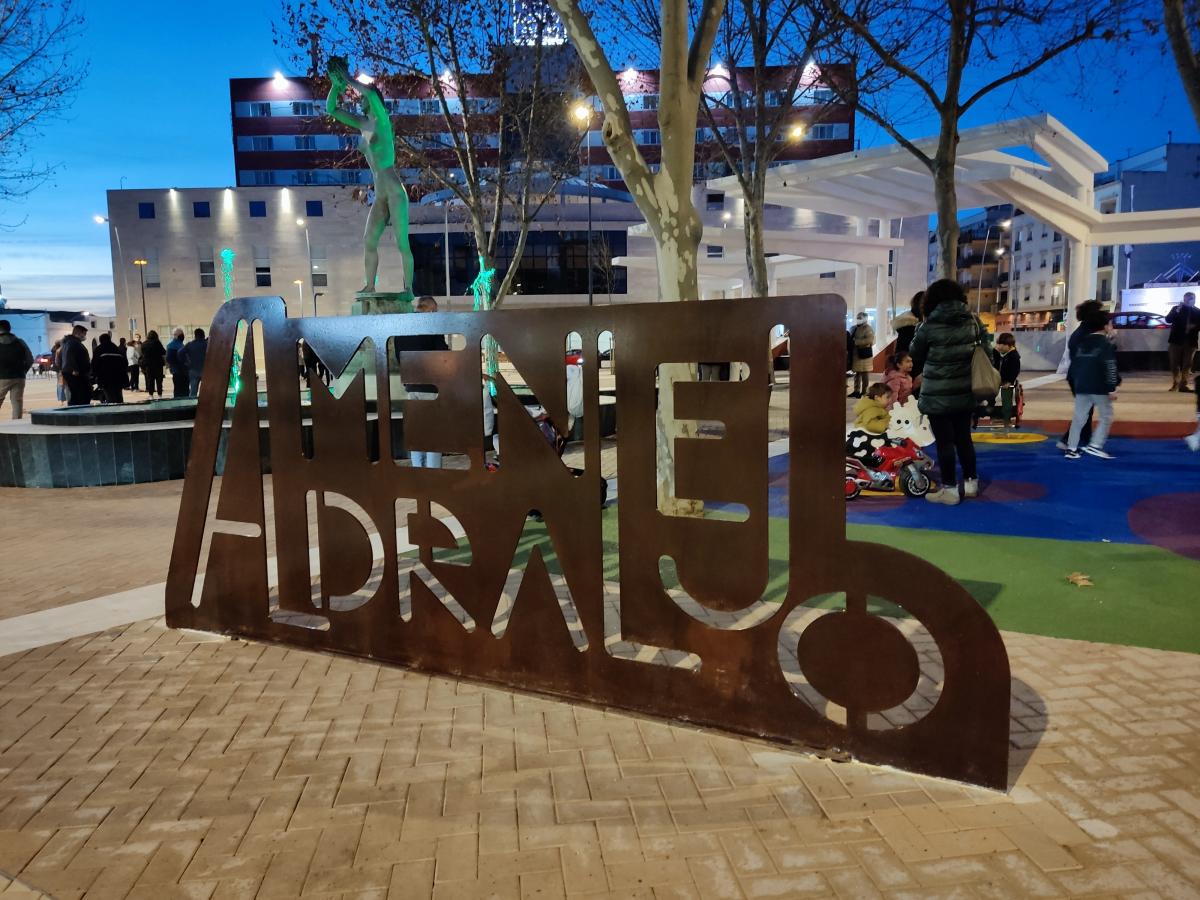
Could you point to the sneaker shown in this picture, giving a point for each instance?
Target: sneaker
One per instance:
(1062, 445)
(971, 487)
(1071, 454)
(1097, 452)
(1193, 442)
(948, 495)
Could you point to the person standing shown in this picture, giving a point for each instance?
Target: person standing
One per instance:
(863, 337)
(905, 324)
(76, 365)
(1094, 379)
(15, 361)
(941, 350)
(60, 388)
(422, 459)
(133, 356)
(179, 371)
(112, 372)
(153, 356)
(1184, 320)
(192, 356)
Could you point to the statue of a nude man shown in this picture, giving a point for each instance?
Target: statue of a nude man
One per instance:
(378, 146)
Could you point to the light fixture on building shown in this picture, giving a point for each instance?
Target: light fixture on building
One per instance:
(99, 219)
(279, 79)
(630, 74)
(364, 78)
(581, 112)
(726, 216)
(796, 132)
(1006, 224)
(300, 222)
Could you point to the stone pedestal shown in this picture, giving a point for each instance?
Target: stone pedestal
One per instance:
(370, 303)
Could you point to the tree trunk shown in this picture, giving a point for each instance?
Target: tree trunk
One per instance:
(756, 256)
(1178, 36)
(946, 196)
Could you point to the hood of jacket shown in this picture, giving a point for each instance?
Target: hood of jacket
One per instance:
(905, 320)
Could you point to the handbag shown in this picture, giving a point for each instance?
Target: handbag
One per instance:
(985, 377)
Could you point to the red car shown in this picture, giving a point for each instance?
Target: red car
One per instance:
(574, 357)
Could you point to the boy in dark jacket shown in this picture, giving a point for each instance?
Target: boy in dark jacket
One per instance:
(1093, 376)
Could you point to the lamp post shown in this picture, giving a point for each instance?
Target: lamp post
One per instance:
(1004, 226)
(104, 220)
(446, 239)
(141, 264)
(308, 256)
(583, 115)
(299, 283)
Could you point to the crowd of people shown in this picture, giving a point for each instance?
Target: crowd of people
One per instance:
(937, 344)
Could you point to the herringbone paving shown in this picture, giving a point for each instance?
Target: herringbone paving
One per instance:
(149, 763)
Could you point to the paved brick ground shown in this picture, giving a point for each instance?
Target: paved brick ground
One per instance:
(148, 763)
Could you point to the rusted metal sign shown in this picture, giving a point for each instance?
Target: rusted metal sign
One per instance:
(659, 613)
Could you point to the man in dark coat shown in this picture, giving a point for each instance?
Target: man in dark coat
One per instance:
(76, 365)
(193, 356)
(179, 371)
(1182, 339)
(111, 369)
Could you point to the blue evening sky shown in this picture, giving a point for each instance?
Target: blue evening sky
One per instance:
(155, 111)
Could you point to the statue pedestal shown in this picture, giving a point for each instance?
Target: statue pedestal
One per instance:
(372, 303)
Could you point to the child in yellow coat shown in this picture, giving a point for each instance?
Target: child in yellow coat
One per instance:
(869, 430)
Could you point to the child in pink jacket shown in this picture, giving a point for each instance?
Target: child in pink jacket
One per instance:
(898, 377)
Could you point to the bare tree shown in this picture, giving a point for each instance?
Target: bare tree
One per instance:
(1181, 20)
(765, 75)
(39, 74)
(492, 132)
(663, 197)
(949, 56)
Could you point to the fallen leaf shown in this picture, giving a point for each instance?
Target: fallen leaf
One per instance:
(1080, 580)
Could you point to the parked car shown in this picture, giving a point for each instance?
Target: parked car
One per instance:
(1139, 320)
(574, 357)
(43, 361)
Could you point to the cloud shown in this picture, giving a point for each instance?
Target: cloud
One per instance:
(92, 291)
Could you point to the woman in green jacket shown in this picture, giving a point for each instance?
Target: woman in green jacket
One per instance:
(941, 351)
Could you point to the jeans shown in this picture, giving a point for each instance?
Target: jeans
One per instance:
(1083, 410)
(952, 433)
(14, 388)
(193, 385)
(425, 459)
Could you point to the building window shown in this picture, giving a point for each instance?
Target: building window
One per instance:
(260, 109)
(824, 132)
(829, 274)
(714, 251)
(261, 176)
(1057, 237)
(306, 142)
(431, 107)
(714, 200)
(262, 267)
(201, 209)
(303, 176)
(1042, 264)
(145, 210)
(348, 141)
(1057, 267)
(650, 136)
(208, 272)
(258, 210)
(314, 208)
(1028, 263)
(304, 108)
(261, 142)
(650, 101)
(318, 266)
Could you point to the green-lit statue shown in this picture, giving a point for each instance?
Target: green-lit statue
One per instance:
(378, 146)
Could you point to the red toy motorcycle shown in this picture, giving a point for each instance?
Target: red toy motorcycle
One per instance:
(902, 464)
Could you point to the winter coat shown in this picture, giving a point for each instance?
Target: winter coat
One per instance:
(863, 337)
(193, 355)
(110, 366)
(901, 385)
(133, 354)
(177, 365)
(941, 352)
(1185, 325)
(905, 326)
(871, 415)
(1008, 365)
(1094, 368)
(15, 358)
(74, 358)
(153, 355)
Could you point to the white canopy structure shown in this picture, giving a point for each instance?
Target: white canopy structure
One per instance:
(888, 183)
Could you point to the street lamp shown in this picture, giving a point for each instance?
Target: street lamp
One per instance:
(583, 115)
(103, 220)
(308, 256)
(141, 264)
(1004, 225)
(796, 132)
